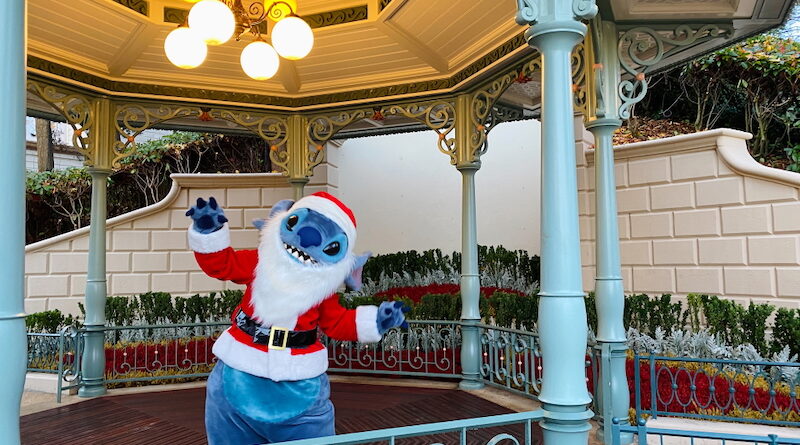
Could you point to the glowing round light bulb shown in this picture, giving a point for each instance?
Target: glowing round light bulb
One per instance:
(184, 48)
(213, 21)
(259, 60)
(293, 38)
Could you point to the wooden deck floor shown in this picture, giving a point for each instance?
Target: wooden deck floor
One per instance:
(176, 417)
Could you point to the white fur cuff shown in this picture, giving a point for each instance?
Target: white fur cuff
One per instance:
(367, 324)
(210, 242)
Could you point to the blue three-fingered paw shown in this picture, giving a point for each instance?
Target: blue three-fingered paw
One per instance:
(391, 314)
(207, 216)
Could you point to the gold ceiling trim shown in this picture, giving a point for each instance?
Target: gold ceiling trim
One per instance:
(90, 80)
(330, 18)
(139, 6)
(321, 20)
(382, 4)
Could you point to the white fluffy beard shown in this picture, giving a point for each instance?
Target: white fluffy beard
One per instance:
(283, 289)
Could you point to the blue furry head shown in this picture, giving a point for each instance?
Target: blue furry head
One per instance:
(312, 238)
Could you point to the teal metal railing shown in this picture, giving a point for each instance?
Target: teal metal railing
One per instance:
(511, 359)
(58, 354)
(728, 390)
(659, 435)
(470, 431)
(160, 352)
(426, 349)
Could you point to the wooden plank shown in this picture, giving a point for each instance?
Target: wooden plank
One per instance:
(176, 417)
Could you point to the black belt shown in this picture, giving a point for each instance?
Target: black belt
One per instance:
(275, 337)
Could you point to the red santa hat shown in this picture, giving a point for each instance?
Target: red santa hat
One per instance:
(331, 207)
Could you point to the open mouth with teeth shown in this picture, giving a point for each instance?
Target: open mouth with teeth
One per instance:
(299, 255)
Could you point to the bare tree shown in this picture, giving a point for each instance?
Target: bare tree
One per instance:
(44, 145)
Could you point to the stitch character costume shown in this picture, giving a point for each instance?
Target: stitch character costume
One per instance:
(269, 384)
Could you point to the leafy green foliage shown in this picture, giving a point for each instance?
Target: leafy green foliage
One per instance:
(65, 192)
(512, 310)
(646, 314)
(162, 308)
(753, 85)
(786, 331)
(58, 201)
(48, 321)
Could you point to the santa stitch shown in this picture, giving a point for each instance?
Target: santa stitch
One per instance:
(269, 384)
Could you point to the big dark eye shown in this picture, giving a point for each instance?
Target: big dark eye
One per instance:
(291, 221)
(332, 248)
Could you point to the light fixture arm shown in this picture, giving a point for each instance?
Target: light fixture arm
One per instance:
(248, 19)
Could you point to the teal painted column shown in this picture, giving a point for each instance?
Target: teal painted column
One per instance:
(470, 282)
(298, 187)
(12, 201)
(612, 394)
(555, 30)
(93, 360)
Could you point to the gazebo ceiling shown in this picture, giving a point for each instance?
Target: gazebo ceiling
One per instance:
(364, 49)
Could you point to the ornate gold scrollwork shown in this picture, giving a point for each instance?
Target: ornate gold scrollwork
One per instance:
(641, 48)
(439, 116)
(132, 119)
(76, 110)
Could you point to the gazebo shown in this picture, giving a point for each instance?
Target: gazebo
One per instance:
(377, 66)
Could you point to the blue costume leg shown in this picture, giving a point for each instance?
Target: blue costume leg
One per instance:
(242, 409)
(317, 421)
(224, 425)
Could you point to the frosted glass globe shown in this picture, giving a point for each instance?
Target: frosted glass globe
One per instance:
(184, 48)
(259, 60)
(212, 20)
(293, 38)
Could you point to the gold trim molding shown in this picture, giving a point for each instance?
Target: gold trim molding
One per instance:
(321, 20)
(189, 93)
(140, 6)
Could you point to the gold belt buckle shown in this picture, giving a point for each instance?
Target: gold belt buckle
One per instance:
(273, 335)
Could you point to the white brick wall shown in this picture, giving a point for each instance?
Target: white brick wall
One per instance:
(147, 249)
(698, 214)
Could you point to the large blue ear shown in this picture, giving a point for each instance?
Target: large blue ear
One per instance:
(281, 206)
(353, 281)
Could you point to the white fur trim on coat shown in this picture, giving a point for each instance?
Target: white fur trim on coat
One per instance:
(367, 324)
(210, 242)
(276, 365)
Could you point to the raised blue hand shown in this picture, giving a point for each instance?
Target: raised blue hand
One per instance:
(391, 314)
(207, 216)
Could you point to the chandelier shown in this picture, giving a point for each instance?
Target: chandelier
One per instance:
(214, 22)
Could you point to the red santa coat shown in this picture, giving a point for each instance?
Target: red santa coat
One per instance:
(236, 348)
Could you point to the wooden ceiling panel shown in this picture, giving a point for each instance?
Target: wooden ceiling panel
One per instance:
(82, 27)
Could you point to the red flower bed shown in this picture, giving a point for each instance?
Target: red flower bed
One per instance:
(173, 355)
(415, 293)
(730, 395)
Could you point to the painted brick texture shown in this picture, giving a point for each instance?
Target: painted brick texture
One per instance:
(692, 220)
(150, 252)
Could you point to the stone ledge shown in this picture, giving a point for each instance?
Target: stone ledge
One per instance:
(179, 181)
(685, 143)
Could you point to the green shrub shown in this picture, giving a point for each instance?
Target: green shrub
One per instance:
(437, 307)
(646, 314)
(512, 310)
(786, 331)
(48, 321)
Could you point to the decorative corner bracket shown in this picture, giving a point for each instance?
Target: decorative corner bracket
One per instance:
(641, 48)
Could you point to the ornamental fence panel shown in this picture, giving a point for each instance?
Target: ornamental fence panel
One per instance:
(57, 353)
(425, 349)
(514, 428)
(711, 389)
(663, 436)
(179, 352)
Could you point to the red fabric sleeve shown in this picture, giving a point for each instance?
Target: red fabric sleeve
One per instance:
(336, 321)
(229, 265)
